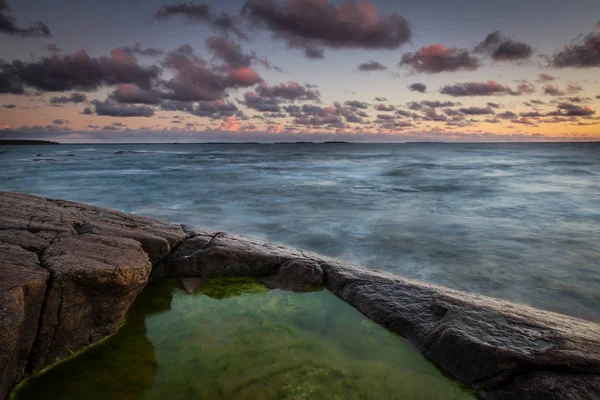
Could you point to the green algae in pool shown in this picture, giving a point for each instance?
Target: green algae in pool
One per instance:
(235, 339)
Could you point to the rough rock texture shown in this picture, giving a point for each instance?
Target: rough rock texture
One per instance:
(68, 274)
(510, 350)
(94, 280)
(69, 271)
(297, 275)
(22, 288)
(208, 253)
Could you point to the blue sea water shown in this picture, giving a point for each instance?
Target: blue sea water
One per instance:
(515, 221)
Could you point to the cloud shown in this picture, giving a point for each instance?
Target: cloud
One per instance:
(384, 107)
(313, 24)
(545, 78)
(417, 87)
(61, 122)
(584, 53)
(131, 93)
(357, 104)
(489, 88)
(476, 110)
(138, 50)
(53, 48)
(222, 22)
(506, 115)
(553, 91)
(438, 58)
(73, 98)
(228, 51)
(573, 88)
(267, 98)
(502, 48)
(372, 66)
(195, 80)
(419, 105)
(573, 110)
(10, 106)
(113, 109)
(77, 71)
(216, 109)
(292, 91)
(380, 99)
(8, 25)
(525, 87)
(493, 105)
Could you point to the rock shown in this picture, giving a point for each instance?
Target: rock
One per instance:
(549, 386)
(484, 342)
(224, 254)
(22, 288)
(297, 275)
(94, 279)
(191, 285)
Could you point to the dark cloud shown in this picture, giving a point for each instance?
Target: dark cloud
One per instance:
(489, 88)
(113, 109)
(267, 98)
(77, 71)
(583, 53)
(476, 111)
(553, 91)
(417, 87)
(292, 91)
(380, 99)
(262, 104)
(10, 106)
(311, 25)
(372, 66)
(545, 78)
(216, 109)
(493, 105)
(502, 48)
(419, 105)
(131, 93)
(138, 50)
(437, 58)
(221, 22)
(60, 122)
(73, 98)
(573, 110)
(228, 51)
(195, 80)
(506, 115)
(357, 104)
(9, 26)
(385, 116)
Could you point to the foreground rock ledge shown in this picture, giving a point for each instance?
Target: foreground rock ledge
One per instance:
(70, 271)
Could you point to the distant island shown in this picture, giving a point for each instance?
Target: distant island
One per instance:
(336, 142)
(24, 142)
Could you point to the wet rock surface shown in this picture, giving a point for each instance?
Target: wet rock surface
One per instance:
(70, 271)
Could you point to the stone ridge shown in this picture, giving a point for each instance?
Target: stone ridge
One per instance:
(54, 250)
(68, 274)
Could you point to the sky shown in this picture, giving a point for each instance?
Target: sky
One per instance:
(299, 70)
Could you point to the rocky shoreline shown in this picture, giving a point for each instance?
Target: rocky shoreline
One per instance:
(70, 271)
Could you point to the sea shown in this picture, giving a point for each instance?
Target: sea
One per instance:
(518, 221)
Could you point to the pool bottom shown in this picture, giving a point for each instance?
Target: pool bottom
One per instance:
(235, 339)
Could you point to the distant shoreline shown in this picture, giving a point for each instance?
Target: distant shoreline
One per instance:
(26, 142)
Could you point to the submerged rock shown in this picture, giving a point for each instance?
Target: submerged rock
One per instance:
(69, 272)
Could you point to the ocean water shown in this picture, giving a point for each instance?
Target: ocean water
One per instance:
(238, 340)
(515, 221)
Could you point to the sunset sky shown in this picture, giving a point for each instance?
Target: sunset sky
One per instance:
(297, 70)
